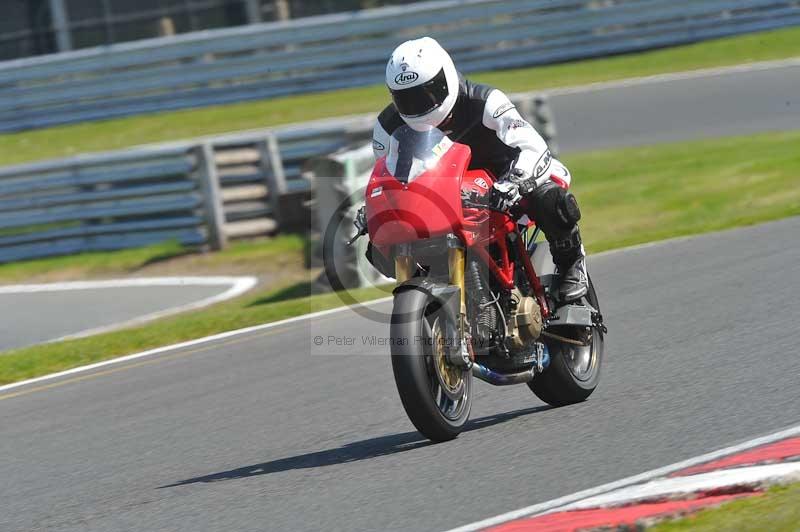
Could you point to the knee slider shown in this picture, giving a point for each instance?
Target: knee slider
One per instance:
(567, 209)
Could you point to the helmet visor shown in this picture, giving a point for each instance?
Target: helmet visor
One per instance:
(422, 99)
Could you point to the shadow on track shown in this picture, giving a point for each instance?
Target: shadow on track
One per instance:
(351, 452)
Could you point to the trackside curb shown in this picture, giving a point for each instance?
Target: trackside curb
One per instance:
(574, 500)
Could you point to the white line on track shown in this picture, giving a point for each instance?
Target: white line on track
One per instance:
(239, 282)
(182, 345)
(238, 286)
(563, 502)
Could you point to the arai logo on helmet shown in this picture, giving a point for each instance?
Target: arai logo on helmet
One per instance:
(404, 78)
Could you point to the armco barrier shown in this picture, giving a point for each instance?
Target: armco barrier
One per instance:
(350, 49)
(103, 202)
(198, 192)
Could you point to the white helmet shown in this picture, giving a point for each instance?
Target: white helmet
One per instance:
(424, 83)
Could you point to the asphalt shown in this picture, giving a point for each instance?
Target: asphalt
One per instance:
(30, 318)
(267, 431)
(713, 105)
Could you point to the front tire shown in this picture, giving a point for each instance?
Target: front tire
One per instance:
(573, 374)
(437, 396)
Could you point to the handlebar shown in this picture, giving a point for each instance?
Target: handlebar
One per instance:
(473, 200)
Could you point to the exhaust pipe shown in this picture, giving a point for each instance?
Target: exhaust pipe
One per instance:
(502, 379)
(507, 379)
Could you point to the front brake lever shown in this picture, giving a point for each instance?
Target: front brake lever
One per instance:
(358, 235)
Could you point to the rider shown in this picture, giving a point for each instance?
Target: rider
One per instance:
(428, 92)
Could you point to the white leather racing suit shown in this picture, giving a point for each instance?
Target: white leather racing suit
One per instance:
(486, 120)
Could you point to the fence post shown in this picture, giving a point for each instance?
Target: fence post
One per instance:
(274, 174)
(543, 121)
(253, 9)
(212, 198)
(58, 11)
(525, 108)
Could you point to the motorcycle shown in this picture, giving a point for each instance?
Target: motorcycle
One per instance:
(476, 290)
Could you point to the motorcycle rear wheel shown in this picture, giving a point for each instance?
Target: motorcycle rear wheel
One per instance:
(436, 395)
(574, 371)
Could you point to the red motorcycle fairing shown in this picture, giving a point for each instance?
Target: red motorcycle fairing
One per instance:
(427, 207)
(431, 206)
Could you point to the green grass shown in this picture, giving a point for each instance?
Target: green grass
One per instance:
(260, 256)
(118, 133)
(627, 196)
(636, 195)
(778, 510)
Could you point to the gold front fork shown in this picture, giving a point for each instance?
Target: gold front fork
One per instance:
(456, 262)
(403, 268)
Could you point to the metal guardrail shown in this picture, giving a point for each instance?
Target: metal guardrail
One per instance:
(350, 49)
(103, 202)
(199, 192)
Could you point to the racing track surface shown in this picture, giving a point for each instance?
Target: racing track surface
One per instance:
(264, 432)
(35, 317)
(679, 107)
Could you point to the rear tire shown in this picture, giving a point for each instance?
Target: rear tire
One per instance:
(437, 414)
(562, 385)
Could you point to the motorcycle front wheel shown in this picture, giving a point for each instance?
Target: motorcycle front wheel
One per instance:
(436, 395)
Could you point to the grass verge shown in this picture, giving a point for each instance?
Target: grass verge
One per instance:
(124, 132)
(627, 196)
(635, 195)
(778, 510)
(267, 258)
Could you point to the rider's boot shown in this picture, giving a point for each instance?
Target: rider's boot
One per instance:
(570, 260)
(556, 212)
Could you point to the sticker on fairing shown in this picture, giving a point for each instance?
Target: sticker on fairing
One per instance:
(481, 182)
(377, 191)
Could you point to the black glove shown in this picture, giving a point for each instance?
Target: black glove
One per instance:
(506, 195)
(523, 180)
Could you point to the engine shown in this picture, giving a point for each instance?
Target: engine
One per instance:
(500, 315)
(524, 320)
(483, 304)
